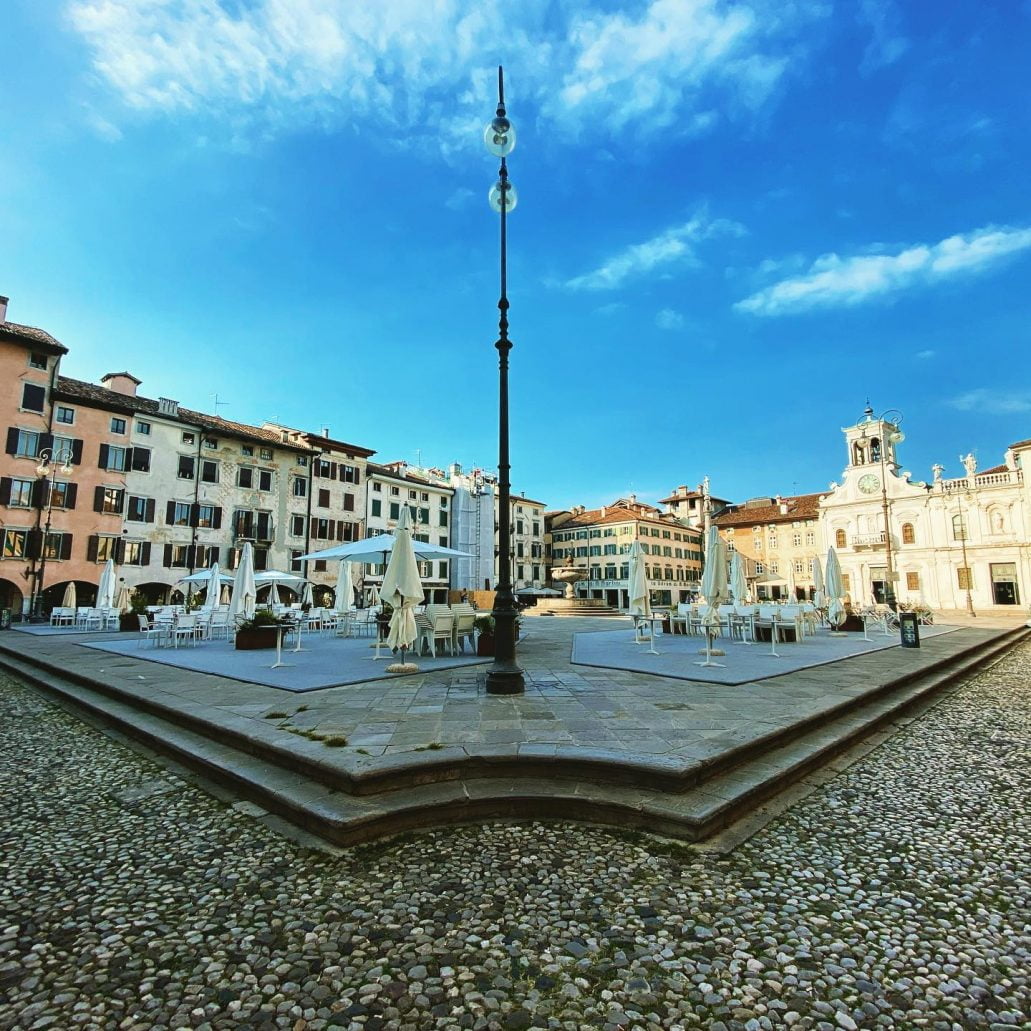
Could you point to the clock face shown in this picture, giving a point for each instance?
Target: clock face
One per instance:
(869, 483)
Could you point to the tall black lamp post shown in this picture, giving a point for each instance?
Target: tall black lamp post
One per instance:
(50, 464)
(504, 676)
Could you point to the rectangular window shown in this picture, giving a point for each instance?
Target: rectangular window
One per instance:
(443, 517)
(210, 443)
(143, 428)
(139, 510)
(297, 526)
(25, 443)
(264, 479)
(206, 515)
(37, 360)
(395, 492)
(180, 557)
(245, 476)
(323, 497)
(106, 548)
(209, 471)
(912, 581)
(265, 454)
(299, 487)
(64, 415)
(377, 487)
(302, 460)
(295, 559)
(246, 450)
(181, 513)
(54, 547)
(133, 554)
(964, 579)
(33, 397)
(112, 500)
(348, 502)
(185, 467)
(189, 438)
(14, 543)
(62, 494)
(395, 510)
(113, 458)
(377, 507)
(349, 474)
(21, 494)
(117, 425)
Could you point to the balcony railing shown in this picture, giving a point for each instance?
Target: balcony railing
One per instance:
(868, 540)
(1002, 479)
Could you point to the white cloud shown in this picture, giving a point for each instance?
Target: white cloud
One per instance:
(835, 281)
(924, 355)
(460, 198)
(423, 67)
(887, 44)
(667, 318)
(993, 402)
(673, 246)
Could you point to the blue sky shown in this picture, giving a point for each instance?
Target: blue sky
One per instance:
(736, 222)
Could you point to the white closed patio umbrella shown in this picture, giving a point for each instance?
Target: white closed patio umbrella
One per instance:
(106, 589)
(835, 592)
(214, 586)
(344, 600)
(792, 589)
(714, 589)
(242, 604)
(640, 602)
(69, 595)
(738, 581)
(819, 601)
(124, 602)
(402, 589)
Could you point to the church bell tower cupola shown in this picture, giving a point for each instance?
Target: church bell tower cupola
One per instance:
(872, 441)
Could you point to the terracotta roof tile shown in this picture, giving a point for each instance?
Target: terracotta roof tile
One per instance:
(799, 506)
(33, 336)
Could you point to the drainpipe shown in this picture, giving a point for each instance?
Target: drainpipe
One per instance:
(194, 513)
(34, 566)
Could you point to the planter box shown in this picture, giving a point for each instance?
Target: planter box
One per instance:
(128, 621)
(485, 645)
(259, 637)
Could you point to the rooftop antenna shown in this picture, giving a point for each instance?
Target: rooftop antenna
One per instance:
(224, 404)
(418, 458)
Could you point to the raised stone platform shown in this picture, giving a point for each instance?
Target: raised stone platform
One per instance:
(675, 757)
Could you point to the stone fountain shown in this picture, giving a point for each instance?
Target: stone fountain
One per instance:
(569, 604)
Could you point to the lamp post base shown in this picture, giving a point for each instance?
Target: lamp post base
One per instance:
(505, 678)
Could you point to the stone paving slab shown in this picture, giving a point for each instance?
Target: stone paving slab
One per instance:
(681, 655)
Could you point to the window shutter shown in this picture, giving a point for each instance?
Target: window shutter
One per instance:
(98, 499)
(46, 440)
(216, 521)
(191, 554)
(34, 544)
(12, 439)
(331, 528)
(170, 514)
(145, 554)
(168, 555)
(357, 475)
(66, 545)
(140, 459)
(119, 551)
(332, 470)
(91, 547)
(104, 455)
(340, 529)
(121, 502)
(5, 490)
(194, 516)
(76, 452)
(71, 492)
(148, 512)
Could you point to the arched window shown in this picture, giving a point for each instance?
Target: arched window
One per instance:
(908, 534)
(959, 528)
(875, 450)
(839, 538)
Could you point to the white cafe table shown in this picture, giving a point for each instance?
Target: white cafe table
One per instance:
(639, 621)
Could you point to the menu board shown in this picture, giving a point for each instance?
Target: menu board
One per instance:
(909, 628)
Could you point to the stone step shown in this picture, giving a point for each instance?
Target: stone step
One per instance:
(325, 800)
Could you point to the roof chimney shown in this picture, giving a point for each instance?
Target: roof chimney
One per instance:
(121, 383)
(3, 308)
(325, 431)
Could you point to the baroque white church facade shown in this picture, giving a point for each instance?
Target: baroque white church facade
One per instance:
(960, 543)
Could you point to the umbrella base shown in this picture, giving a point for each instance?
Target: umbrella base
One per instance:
(402, 667)
(707, 663)
(712, 651)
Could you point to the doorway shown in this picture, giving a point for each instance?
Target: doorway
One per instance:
(1004, 583)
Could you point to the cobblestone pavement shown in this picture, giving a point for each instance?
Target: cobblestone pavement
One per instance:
(895, 896)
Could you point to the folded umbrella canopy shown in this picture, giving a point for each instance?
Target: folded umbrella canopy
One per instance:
(69, 595)
(214, 586)
(640, 603)
(714, 589)
(738, 582)
(835, 590)
(244, 591)
(344, 601)
(402, 587)
(819, 600)
(106, 589)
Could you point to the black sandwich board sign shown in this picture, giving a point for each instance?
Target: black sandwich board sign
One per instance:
(909, 628)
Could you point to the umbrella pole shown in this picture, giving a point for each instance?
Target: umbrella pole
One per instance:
(773, 639)
(279, 649)
(651, 639)
(708, 650)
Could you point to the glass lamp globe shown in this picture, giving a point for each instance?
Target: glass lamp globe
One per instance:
(494, 197)
(43, 468)
(500, 137)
